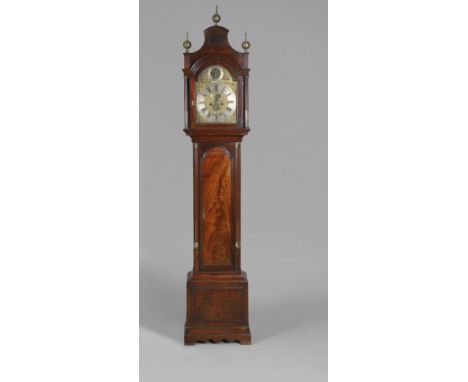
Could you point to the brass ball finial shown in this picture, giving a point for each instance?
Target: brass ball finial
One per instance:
(246, 43)
(187, 44)
(216, 17)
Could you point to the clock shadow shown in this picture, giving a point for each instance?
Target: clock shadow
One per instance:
(162, 304)
(162, 309)
(273, 318)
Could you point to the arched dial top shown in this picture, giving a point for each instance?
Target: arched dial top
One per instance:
(216, 96)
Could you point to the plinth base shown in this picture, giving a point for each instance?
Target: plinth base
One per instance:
(217, 308)
(239, 334)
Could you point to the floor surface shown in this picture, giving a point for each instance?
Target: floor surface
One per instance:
(289, 338)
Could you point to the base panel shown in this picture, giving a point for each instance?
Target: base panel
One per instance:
(217, 308)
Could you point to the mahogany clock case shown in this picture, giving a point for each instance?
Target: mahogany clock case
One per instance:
(217, 288)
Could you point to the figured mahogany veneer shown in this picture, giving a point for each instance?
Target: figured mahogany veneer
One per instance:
(217, 288)
(217, 304)
(217, 207)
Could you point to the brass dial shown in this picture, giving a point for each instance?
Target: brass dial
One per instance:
(216, 96)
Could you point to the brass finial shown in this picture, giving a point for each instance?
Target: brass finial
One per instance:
(246, 43)
(187, 44)
(216, 17)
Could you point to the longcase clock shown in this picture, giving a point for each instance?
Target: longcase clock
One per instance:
(216, 120)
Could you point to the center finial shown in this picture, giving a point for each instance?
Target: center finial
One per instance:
(216, 17)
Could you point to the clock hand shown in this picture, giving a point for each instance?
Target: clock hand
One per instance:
(216, 100)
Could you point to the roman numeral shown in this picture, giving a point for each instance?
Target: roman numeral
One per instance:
(228, 109)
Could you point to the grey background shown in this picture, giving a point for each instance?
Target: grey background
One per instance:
(284, 192)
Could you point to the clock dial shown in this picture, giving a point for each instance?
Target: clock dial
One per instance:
(216, 73)
(216, 100)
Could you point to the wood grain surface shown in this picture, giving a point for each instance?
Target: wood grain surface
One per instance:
(217, 207)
